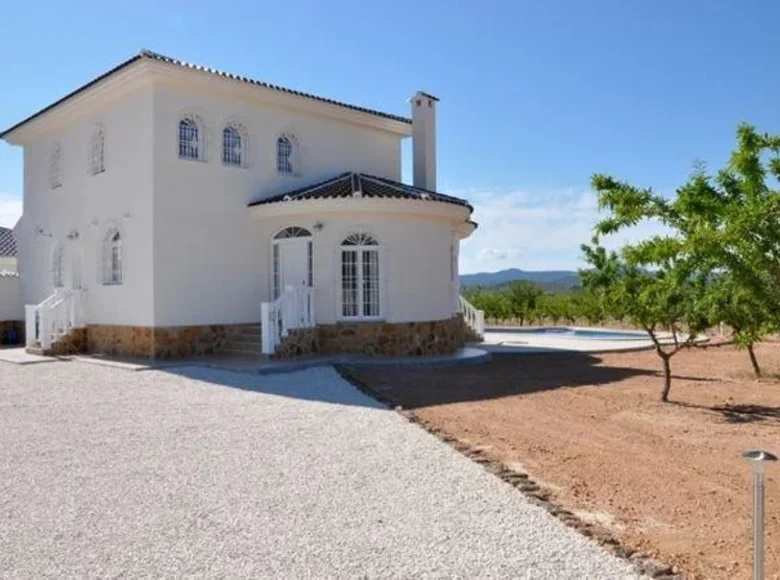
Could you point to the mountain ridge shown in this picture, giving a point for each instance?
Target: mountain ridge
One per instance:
(545, 278)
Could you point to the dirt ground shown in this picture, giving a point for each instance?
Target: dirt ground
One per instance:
(667, 479)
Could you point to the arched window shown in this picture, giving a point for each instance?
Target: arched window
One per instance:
(56, 265)
(190, 139)
(287, 234)
(360, 279)
(97, 151)
(55, 167)
(285, 155)
(112, 257)
(233, 145)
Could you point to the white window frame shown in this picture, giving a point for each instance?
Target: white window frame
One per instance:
(242, 135)
(113, 258)
(97, 151)
(198, 142)
(360, 250)
(57, 263)
(283, 236)
(55, 167)
(294, 157)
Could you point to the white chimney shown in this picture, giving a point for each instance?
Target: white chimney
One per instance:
(424, 139)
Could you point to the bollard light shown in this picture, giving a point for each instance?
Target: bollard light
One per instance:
(758, 459)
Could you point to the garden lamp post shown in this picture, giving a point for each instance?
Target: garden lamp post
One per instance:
(759, 460)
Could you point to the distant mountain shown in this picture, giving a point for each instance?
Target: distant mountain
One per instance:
(548, 279)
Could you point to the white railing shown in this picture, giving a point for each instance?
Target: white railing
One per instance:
(293, 309)
(47, 322)
(473, 317)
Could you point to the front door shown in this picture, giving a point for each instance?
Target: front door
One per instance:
(294, 256)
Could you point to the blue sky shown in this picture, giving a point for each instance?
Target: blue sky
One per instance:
(535, 96)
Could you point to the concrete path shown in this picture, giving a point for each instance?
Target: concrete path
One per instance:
(208, 473)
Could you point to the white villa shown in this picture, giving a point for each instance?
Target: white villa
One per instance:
(171, 209)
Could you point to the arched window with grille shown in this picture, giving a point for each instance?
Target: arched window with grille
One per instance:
(113, 257)
(97, 151)
(233, 145)
(360, 277)
(56, 265)
(191, 145)
(286, 155)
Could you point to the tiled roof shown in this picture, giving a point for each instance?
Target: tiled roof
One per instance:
(362, 185)
(7, 243)
(148, 54)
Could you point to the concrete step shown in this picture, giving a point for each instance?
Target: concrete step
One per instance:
(242, 346)
(246, 335)
(249, 329)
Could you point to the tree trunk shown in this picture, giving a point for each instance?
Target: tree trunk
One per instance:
(753, 361)
(667, 378)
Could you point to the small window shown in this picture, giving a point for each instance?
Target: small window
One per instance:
(360, 277)
(285, 155)
(97, 152)
(112, 258)
(190, 139)
(56, 266)
(55, 167)
(233, 144)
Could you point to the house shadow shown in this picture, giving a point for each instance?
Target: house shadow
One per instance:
(505, 375)
(316, 384)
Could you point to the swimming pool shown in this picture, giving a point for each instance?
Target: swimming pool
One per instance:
(566, 332)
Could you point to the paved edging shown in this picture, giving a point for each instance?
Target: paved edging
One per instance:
(644, 564)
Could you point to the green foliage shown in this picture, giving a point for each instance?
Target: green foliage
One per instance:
(718, 263)
(526, 302)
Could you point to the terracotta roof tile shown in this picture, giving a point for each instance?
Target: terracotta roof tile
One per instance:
(148, 54)
(361, 185)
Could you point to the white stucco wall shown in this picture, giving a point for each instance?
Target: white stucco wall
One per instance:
(11, 307)
(88, 205)
(8, 264)
(210, 255)
(414, 263)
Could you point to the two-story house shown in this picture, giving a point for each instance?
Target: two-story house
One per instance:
(170, 209)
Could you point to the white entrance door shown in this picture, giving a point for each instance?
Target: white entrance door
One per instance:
(294, 258)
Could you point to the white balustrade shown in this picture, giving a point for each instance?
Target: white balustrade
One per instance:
(47, 322)
(293, 309)
(474, 318)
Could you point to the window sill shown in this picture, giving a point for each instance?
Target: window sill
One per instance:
(112, 283)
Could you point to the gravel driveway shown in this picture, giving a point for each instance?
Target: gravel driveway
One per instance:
(207, 473)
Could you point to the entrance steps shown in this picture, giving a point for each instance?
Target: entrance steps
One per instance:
(247, 340)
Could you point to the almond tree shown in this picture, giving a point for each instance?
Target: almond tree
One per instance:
(664, 300)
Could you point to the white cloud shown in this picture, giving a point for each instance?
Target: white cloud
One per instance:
(536, 230)
(10, 209)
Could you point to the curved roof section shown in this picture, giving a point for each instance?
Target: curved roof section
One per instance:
(148, 54)
(352, 184)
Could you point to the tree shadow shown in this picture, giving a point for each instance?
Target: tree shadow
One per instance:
(737, 414)
(505, 375)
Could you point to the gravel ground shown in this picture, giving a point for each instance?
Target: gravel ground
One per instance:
(207, 473)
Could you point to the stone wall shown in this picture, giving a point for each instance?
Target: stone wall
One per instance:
(160, 342)
(15, 325)
(376, 338)
(75, 342)
(133, 341)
